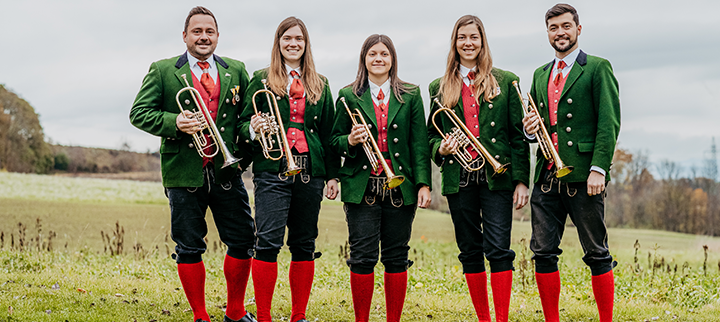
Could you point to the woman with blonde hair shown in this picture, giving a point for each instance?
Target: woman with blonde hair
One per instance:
(284, 200)
(481, 201)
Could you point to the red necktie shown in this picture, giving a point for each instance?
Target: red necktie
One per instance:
(381, 100)
(296, 88)
(560, 66)
(471, 77)
(205, 79)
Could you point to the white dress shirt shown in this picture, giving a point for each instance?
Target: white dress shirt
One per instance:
(197, 71)
(464, 71)
(375, 91)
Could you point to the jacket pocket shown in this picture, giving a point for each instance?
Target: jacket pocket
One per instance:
(170, 146)
(586, 146)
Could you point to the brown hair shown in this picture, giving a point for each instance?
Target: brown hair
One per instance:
(360, 85)
(199, 10)
(451, 83)
(560, 9)
(277, 77)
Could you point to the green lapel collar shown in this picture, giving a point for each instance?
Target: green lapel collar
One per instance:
(183, 68)
(545, 80)
(224, 77)
(575, 72)
(392, 112)
(366, 104)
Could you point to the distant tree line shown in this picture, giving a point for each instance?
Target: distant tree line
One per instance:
(670, 201)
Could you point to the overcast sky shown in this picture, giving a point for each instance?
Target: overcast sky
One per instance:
(81, 63)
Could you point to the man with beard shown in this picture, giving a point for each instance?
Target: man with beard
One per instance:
(577, 97)
(193, 182)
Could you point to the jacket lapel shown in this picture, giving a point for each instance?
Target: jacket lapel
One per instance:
(225, 79)
(392, 112)
(543, 86)
(575, 72)
(183, 68)
(366, 104)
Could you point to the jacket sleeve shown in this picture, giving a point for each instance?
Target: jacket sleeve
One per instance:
(520, 150)
(420, 149)
(332, 159)
(147, 113)
(435, 138)
(606, 101)
(248, 110)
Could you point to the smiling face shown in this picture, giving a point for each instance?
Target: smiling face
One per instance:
(378, 62)
(468, 44)
(201, 36)
(292, 46)
(563, 33)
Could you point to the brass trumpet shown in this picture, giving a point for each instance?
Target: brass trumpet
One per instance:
(372, 151)
(206, 122)
(543, 137)
(467, 140)
(274, 127)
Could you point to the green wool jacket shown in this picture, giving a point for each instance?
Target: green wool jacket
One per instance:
(407, 144)
(155, 110)
(317, 126)
(501, 133)
(588, 116)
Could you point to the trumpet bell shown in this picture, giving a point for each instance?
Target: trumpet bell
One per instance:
(500, 170)
(564, 171)
(393, 182)
(230, 161)
(292, 171)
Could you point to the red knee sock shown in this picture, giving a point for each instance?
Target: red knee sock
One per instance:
(192, 277)
(477, 285)
(549, 288)
(395, 290)
(264, 276)
(501, 283)
(237, 272)
(301, 279)
(604, 291)
(362, 286)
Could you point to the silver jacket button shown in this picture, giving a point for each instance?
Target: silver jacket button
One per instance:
(224, 115)
(400, 168)
(369, 126)
(492, 123)
(222, 129)
(187, 102)
(490, 106)
(569, 100)
(493, 140)
(570, 143)
(569, 115)
(311, 131)
(227, 100)
(541, 104)
(497, 157)
(394, 126)
(364, 167)
(191, 145)
(315, 117)
(397, 155)
(395, 140)
(568, 129)
(277, 98)
(451, 162)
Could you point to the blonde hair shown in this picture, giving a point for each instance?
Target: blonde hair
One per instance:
(277, 78)
(451, 83)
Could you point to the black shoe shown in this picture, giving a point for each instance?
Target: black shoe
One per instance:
(249, 317)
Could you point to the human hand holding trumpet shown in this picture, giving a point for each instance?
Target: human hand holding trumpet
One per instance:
(448, 145)
(357, 135)
(187, 123)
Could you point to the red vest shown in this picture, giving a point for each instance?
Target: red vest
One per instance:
(471, 111)
(296, 135)
(381, 117)
(554, 94)
(211, 102)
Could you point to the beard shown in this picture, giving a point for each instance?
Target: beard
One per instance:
(571, 44)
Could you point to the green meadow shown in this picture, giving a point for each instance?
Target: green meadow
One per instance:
(79, 249)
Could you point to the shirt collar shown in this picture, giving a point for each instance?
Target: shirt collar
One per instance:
(569, 59)
(290, 69)
(193, 61)
(464, 71)
(375, 90)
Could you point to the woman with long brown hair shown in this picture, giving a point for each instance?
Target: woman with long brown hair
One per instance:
(481, 202)
(292, 201)
(376, 216)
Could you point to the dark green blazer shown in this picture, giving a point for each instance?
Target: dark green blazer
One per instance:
(155, 110)
(500, 133)
(317, 126)
(407, 144)
(588, 115)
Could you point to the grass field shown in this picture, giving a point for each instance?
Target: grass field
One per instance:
(79, 279)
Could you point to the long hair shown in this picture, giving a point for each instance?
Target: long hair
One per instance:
(360, 85)
(277, 78)
(451, 83)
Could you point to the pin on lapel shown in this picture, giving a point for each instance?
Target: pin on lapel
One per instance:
(227, 74)
(498, 90)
